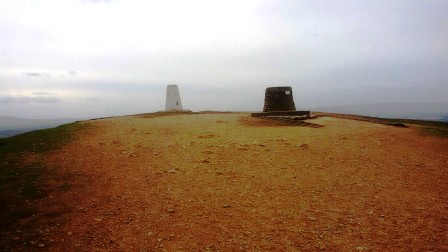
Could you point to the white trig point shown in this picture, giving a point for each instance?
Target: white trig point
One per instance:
(173, 98)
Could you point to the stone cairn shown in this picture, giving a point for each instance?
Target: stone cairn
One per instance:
(278, 99)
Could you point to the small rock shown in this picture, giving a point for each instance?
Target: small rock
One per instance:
(312, 218)
(226, 206)
(303, 146)
(172, 171)
(208, 152)
(41, 245)
(170, 210)
(205, 161)
(69, 233)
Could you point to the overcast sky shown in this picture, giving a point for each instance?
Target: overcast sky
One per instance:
(86, 59)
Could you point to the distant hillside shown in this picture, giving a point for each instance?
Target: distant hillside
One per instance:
(10, 126)
(422, 111)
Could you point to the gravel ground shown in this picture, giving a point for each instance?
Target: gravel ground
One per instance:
(228, 182)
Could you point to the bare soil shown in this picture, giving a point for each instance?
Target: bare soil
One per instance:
(228, 182)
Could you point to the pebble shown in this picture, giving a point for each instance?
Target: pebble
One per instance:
(226, 206)
(303, 146)
(172, 171)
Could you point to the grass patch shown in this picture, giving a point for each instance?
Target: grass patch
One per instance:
(21, 182)
(39, 141)
(433, 128)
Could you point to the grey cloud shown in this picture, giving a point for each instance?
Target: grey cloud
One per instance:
(29, 99)
(93, 99)
(96, 1)
(36, 74)
(42, 93)
(72, 72)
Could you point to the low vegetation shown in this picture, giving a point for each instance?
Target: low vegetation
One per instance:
(434, 128)
(21, 178)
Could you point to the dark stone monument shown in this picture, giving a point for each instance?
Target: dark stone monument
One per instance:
(278, 99)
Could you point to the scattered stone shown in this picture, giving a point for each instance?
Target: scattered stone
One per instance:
(205, 161)
(242, 148)
(170, 210)
(69, 233)
(98, 219)
(150, 234)
(312, 219)
(226, 206)
(303, 146)
(172, 171)
(208, 152)
(41, 245)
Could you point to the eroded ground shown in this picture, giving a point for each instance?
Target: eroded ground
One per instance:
(225, 182)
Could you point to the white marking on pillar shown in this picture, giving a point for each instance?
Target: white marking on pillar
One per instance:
(173, 98)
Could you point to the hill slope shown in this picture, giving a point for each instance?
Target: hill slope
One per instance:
(229, 182)
(10, 126)
(422, 111)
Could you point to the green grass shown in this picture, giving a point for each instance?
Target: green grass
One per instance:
(21, 182)
(433, 128)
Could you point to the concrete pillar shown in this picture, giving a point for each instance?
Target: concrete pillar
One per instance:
(173, 98)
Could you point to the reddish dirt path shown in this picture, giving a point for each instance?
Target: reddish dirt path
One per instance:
(214, 182)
